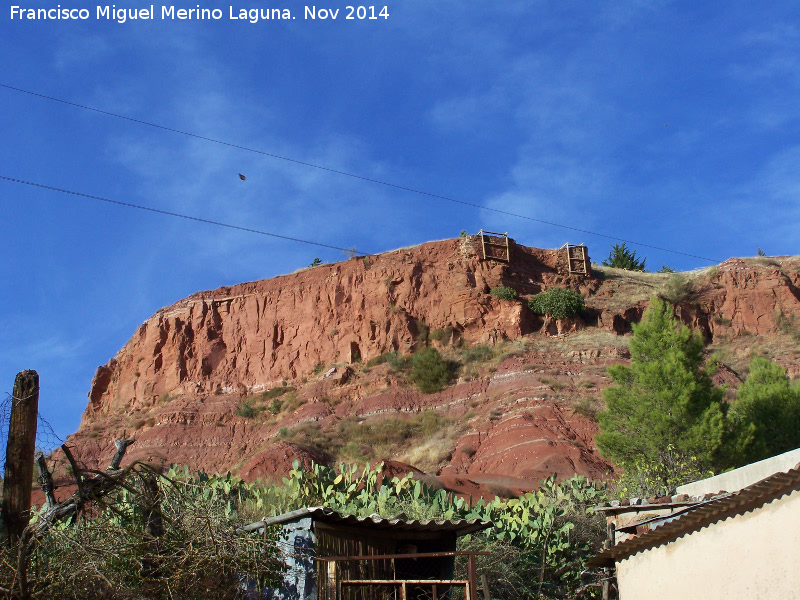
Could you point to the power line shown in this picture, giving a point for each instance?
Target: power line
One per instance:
(351, 251)
(174, 214)
(347, 174)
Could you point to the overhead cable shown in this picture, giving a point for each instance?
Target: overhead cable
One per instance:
(352, 175)
(174, 214)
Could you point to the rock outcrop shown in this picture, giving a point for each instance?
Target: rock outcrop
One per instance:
(180, 382)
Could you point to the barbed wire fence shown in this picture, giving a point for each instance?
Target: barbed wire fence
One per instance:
(47, 440)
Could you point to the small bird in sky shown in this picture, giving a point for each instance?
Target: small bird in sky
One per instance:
(667, 125)
(242, 177)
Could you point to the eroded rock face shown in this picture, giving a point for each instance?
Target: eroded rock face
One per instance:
(751, 297)
(257, 334)
(180, 380)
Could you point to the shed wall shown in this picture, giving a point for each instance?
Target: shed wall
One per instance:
(298, 546)
(753, 556)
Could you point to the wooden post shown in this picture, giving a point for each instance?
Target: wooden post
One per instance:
(610, 539)
(487, 595)
(331, 580)
(18, 478)
(472, 593)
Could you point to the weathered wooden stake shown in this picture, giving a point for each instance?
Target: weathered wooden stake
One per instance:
(15, 509)
(122, 446)
(487, 595)
(45, 480)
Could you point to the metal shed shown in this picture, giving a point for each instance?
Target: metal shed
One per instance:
(335, 556)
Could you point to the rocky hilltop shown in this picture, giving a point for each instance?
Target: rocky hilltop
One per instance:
(249, 377)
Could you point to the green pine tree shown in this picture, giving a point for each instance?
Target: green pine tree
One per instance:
(665, 398)
(622, 257)
(766, 413)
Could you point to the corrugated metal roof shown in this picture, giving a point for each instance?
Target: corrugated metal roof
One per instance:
(747, 499)
(327, 515)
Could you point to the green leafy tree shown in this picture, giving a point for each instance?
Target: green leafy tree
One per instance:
(645, 478)
(766, 412)
(622, 257)
(558, 303)
(504, 293)
(665, 397)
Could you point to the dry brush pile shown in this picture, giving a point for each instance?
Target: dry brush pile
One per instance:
(133, 534)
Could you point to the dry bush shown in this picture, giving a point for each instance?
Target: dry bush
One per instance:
(678, 289)
(152, 538)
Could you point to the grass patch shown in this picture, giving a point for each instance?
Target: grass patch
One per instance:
(787, 324)
(398, 362)
(291, 402)
(628, 287)
(586, 407)
(376, 360)
(422, 330)
(552, 383)
(762, 261)
(477, 354)
(276, 392)
(586, 339)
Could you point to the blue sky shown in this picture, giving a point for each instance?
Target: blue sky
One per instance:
(674, 124)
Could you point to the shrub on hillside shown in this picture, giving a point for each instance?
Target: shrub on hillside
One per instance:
(558, 303)
(645, 477)
(504, 293)
(430, 372)
(397, 361)
(248, 408)
(442, 335)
